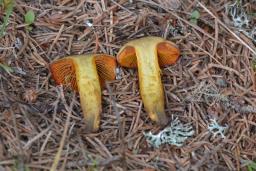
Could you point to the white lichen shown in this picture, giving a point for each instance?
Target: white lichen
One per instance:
(175, 134)
(176, 31)
(238, 15)
(88, 23)
(251, 34)
(241, 19)
(18, 43)
(216, 129)
(19, 70)
(118, 73)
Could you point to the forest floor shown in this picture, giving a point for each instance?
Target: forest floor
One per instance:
(213, 80)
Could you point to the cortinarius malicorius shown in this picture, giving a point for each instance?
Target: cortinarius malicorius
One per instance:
(148, 54)
(86, 74)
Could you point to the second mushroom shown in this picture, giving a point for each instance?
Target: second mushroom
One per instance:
(86, 74)
(148, 54)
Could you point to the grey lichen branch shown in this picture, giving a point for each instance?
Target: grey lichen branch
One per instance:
(241, 20)
(217, 129)
(175, 134)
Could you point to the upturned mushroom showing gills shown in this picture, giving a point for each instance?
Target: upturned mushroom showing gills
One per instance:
(148, 54)
(86, 74)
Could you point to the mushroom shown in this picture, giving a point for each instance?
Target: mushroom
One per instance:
(149, 54)
(86, 74)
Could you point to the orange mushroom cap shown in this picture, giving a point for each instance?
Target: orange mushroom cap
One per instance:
(64, 70)
(168, 53)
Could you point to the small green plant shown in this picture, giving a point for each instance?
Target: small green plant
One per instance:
(8, 7)
(94, 167)
(94, 162)
(20, 165)
(252, 166)
(6, 68)
(254, 64)
(195, 15)
(29, 19)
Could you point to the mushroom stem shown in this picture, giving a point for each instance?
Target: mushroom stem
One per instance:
(89, 90)
(151, 88)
